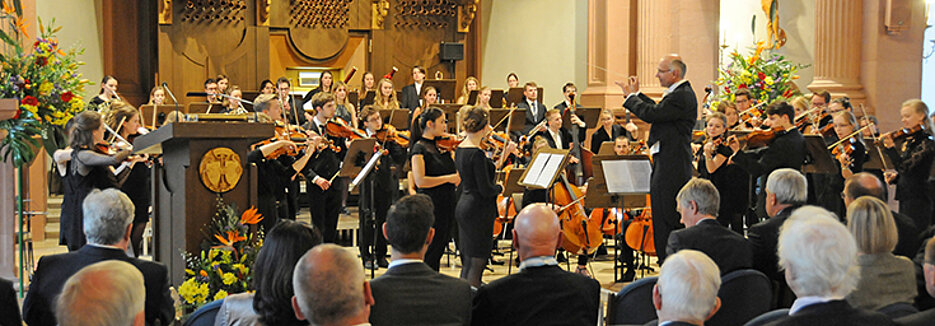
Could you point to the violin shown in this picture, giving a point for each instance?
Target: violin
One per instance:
(759, 138)
(388, 132)
(337, 127)
(846, 148)
(448, 142)
(903, 133)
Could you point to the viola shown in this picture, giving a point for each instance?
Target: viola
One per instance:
(904, 132)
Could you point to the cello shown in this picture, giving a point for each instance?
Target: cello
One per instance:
(581, 234)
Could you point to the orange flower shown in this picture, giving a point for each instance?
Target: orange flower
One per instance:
(250, 216)
(7, 9)
(21, 26)
(203, 273)
(232, 238)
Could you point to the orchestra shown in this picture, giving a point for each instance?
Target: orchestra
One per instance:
(741, 140)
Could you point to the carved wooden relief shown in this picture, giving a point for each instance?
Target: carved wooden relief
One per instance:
(214, 11)
(424, 14)
(466, 13)
(165, 12)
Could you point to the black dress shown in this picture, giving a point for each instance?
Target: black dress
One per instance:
(443, 197)
(732, 183)
(477, 206)
(914, 163)
(600, 135)
(77, 187)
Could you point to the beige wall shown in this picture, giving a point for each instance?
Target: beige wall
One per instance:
(540, 40)
(80, 28)
(796, 17)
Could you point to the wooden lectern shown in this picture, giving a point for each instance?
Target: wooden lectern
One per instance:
(182, 205)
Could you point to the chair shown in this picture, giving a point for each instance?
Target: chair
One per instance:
(745, 294)
(633, 304)
(768, 317)
(899, 309)
(205, 315)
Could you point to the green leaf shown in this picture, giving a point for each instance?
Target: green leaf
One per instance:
(18, 6)
(753, 26)
(8, 40)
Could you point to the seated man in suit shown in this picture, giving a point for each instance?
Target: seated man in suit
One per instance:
(9, 305)
(409, 288)
(786, 190)
(819, 257)
(105, 293)
(698, 204)
(686, 291)
(107, 217)
(535, 111)
(541, 293)
(926, 317)
(866, 184)
(330, 288)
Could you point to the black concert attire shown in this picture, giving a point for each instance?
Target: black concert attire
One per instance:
(830, 186)
(410, 97)
(87, 170)
(138, 187)
(96, 101)
(600, 136)
(274, 177)
(386, 187)
(670, 135)
(535, 113)
(786, 151)
(438, 163)
(324, 205)
(913, 161)
(477, 206)
(732, 184)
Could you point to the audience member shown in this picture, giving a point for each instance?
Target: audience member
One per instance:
(686, 291)
(885, 278)
(927, 317)
(866, 184)
(107, 293)
(107, 217)
(541, 293)
(330, 289)
(410, 287)
(698, 203)
(9, 306)
(819, 258)
(272, 279)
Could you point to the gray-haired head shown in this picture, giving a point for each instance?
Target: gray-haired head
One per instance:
(789, 186)
(703, 193)
(107, 215)
(818, 254)
(687, 287)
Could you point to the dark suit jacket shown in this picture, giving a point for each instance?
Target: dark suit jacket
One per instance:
(563, 133)
(414, 294)
(923, 318)
(410, 98)
(53, 271)
(672, 120)
(832, 313)
(532, 121)
(9, 307)
(729, 250)
(326, 162)
(909, 241)
(764, 238)
(545, 295)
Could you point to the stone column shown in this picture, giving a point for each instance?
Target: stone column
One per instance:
(654, 39)
(838, 37)
(611, 51)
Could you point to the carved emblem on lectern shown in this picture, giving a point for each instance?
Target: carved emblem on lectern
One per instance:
(220, 169)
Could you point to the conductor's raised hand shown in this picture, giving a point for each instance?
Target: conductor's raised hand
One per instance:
(634, 84)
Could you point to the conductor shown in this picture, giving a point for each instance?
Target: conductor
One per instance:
(669, 137)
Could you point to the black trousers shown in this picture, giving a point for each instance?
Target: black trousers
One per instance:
(324, 207)
(370, 216)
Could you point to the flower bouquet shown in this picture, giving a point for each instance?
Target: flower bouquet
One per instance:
(765, 74)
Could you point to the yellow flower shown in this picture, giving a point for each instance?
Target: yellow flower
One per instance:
(768, 80)
(45, 88)
(189, 271)
(212, 253)
(220, 295)
(228, 278)
(193, 291)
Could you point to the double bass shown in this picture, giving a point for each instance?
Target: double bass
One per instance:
(582, 170)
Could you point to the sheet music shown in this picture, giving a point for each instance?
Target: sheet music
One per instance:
(535, 170)
(627, 176)
(551, 166)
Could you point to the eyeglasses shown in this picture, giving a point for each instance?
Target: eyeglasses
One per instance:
(663, 71)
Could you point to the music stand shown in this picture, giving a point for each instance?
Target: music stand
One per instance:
(875, 158)
(514, 122)
(472, 97)
(511, 186)
(361, 160)
(156, 114)
(588, 115)
(368, 98)
(628, 176)
(818, 157)
(451, 113)
(544, 168)
(204, 107)
(400, 117)
(607, 148)
(515, 95)
(495, 98)
(445, 88)
(353, 97)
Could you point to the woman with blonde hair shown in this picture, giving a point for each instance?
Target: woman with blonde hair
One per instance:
(344, 109)
(157, 96)
(885, 278)
(470, 84)
(386, 96)
(483, 97)
(913, 161)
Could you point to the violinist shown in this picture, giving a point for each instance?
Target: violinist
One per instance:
(108, 92)
(125, 119)
(90, 168)
(730, 180)
(607, 131)
(557, 136)
(386, 187)
(367, 84)
(849, 155)
(291, 111)
(820, 102)
(477, 205)
(733, 118)
(157, 96)
(913, 161)
(277, 190)
(483, 98)
(345, 110)
(470, 84)
(804, 124)
(434, 174)
(743, 102)
(786, 150)
(322, 188)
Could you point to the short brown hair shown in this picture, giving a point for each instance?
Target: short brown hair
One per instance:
(742, 92)
(475, 119)
(320, 99)
(531, 84)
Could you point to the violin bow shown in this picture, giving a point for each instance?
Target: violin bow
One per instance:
(866, 119)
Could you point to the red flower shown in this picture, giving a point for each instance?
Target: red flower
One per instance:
(742, 86)
(67, 96)
(41, 61)
(30, 100)
(16, 116)
(761, 75)
(727, 89)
